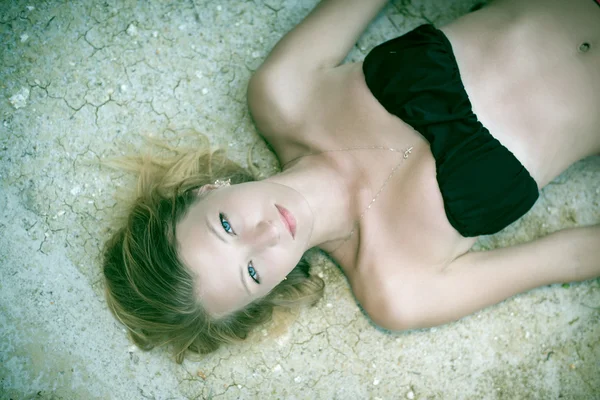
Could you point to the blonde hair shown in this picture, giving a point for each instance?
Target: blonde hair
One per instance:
(147, 286)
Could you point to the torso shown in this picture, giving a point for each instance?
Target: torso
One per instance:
(530, 84)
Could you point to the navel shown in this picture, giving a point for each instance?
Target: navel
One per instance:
(584, 47)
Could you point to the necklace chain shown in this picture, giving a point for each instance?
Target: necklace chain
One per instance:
(405, 154)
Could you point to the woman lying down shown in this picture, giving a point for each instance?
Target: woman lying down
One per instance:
(392, 166)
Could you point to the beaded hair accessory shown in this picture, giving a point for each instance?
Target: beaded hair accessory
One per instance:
(219, 183)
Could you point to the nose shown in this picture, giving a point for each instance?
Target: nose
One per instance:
(263, 235)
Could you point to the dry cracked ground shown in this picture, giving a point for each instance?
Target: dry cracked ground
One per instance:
(81, 81)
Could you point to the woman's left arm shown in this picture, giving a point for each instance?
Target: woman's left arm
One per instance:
(479, 279)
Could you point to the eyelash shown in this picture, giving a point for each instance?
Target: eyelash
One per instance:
(226, 225)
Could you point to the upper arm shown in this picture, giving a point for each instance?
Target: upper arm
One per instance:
(282, 89)
(480, 279)
(326, 35)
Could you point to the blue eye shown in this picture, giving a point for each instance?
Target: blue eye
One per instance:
(252, 272)
(225, 224)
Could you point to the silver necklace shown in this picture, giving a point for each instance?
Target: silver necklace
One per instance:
(405, 153)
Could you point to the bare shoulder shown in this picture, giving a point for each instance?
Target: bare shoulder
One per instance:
(300, 108)
(388, 296)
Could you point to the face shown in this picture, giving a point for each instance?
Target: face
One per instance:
(240, 241)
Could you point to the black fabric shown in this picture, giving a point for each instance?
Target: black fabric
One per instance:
(484, 186)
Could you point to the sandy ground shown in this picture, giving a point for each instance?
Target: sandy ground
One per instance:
(83, 80)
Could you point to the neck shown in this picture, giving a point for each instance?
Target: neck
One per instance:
(328, 195)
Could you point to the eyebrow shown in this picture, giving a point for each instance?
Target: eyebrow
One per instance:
(213, 230)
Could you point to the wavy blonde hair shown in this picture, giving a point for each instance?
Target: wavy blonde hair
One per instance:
(147, 286)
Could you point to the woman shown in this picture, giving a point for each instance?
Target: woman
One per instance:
(392, 166)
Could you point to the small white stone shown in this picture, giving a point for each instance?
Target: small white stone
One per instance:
(433, 330)
(60, 213)
(255, 54)
(132, 349)
(204, 91)
(527, 335)
(71, 63)
(155, 34)
(297, 379)
(277, 368)
(123, 88)
(132, 30)
(239, 386)
(30, 8)
(410, 395)
(199, 74)
(19, 100)
(320, 275)
(76, 190)
(24, 37)
(181, 27)
(328, 305)
(495, 337)
(376, 381)
(219, 8)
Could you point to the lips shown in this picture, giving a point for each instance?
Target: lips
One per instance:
(288, 219)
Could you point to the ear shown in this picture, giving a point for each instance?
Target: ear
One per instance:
(204, 189)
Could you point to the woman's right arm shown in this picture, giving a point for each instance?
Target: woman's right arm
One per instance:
(282, 85)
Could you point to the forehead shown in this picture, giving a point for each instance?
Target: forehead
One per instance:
(215, 265)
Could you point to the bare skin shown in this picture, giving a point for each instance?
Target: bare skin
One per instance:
(531, 70)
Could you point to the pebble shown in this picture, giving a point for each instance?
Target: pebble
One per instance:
(30, 8)
(19, 100)
(277, 368)
(410, 395)
(204, 91)
(376, 381)
(132, 30)
(24, 37)
(298, 379)
(155, 34)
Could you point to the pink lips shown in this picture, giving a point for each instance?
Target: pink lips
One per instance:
(288, 219)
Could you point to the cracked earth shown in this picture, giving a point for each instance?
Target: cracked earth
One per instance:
(84, 81)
